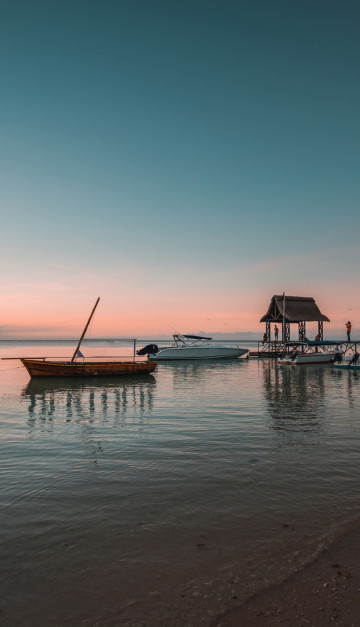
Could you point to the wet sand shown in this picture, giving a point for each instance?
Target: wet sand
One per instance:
(325, 592)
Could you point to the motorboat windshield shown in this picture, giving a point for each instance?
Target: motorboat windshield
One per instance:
(190, 340)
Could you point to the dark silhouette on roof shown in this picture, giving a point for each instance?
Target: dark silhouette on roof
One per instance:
(297, 309)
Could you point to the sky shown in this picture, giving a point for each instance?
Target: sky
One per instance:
(183, 160)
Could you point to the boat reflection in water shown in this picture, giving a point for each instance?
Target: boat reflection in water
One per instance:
(295, 398)
(88, 399)
(191, 371)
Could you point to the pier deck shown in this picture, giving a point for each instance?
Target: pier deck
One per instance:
(273, 350)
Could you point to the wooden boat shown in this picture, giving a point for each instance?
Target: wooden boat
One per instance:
(44, 367)
(48, 368)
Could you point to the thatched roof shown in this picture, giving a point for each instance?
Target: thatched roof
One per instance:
(297, 309)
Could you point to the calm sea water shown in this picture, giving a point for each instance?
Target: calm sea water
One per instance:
(166, 499)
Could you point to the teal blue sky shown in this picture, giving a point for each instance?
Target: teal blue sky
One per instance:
(194, 156)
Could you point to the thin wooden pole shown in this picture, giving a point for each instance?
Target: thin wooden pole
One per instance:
(84, 331)
(284, 322)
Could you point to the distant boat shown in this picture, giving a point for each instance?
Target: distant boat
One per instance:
(350, 362)
(191, 347)
(44, 367)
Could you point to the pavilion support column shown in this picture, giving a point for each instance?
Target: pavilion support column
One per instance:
(302, 331)
(286, 332)
(268, 330)
(321, 330)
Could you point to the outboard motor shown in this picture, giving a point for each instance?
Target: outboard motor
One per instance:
(338, 358)
(354, 360)
(149, 348)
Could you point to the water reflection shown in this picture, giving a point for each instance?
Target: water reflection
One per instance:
(295, 397)
(87, 399)
(200, 371)
(352, 383)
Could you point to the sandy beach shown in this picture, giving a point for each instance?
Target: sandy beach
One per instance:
(325, 592)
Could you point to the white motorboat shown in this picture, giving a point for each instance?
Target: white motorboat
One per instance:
(191, 347)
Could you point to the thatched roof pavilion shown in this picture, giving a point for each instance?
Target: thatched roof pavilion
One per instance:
(298, 309)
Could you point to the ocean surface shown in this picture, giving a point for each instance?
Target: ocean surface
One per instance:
(167, 499)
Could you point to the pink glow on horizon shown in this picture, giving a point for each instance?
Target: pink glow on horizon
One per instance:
(46, 317)
(153, 301)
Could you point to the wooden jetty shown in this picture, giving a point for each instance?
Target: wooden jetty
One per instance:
(270, 351)
(283, 311)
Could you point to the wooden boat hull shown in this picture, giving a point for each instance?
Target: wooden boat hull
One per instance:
(41, 368)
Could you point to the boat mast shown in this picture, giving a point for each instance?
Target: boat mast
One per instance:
(84, 331)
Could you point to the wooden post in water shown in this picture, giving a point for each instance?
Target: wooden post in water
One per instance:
(284, 323)
(84, 331)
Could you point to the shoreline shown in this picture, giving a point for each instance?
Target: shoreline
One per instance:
(324, 592)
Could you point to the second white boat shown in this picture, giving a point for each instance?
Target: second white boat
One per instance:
(303, 355)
